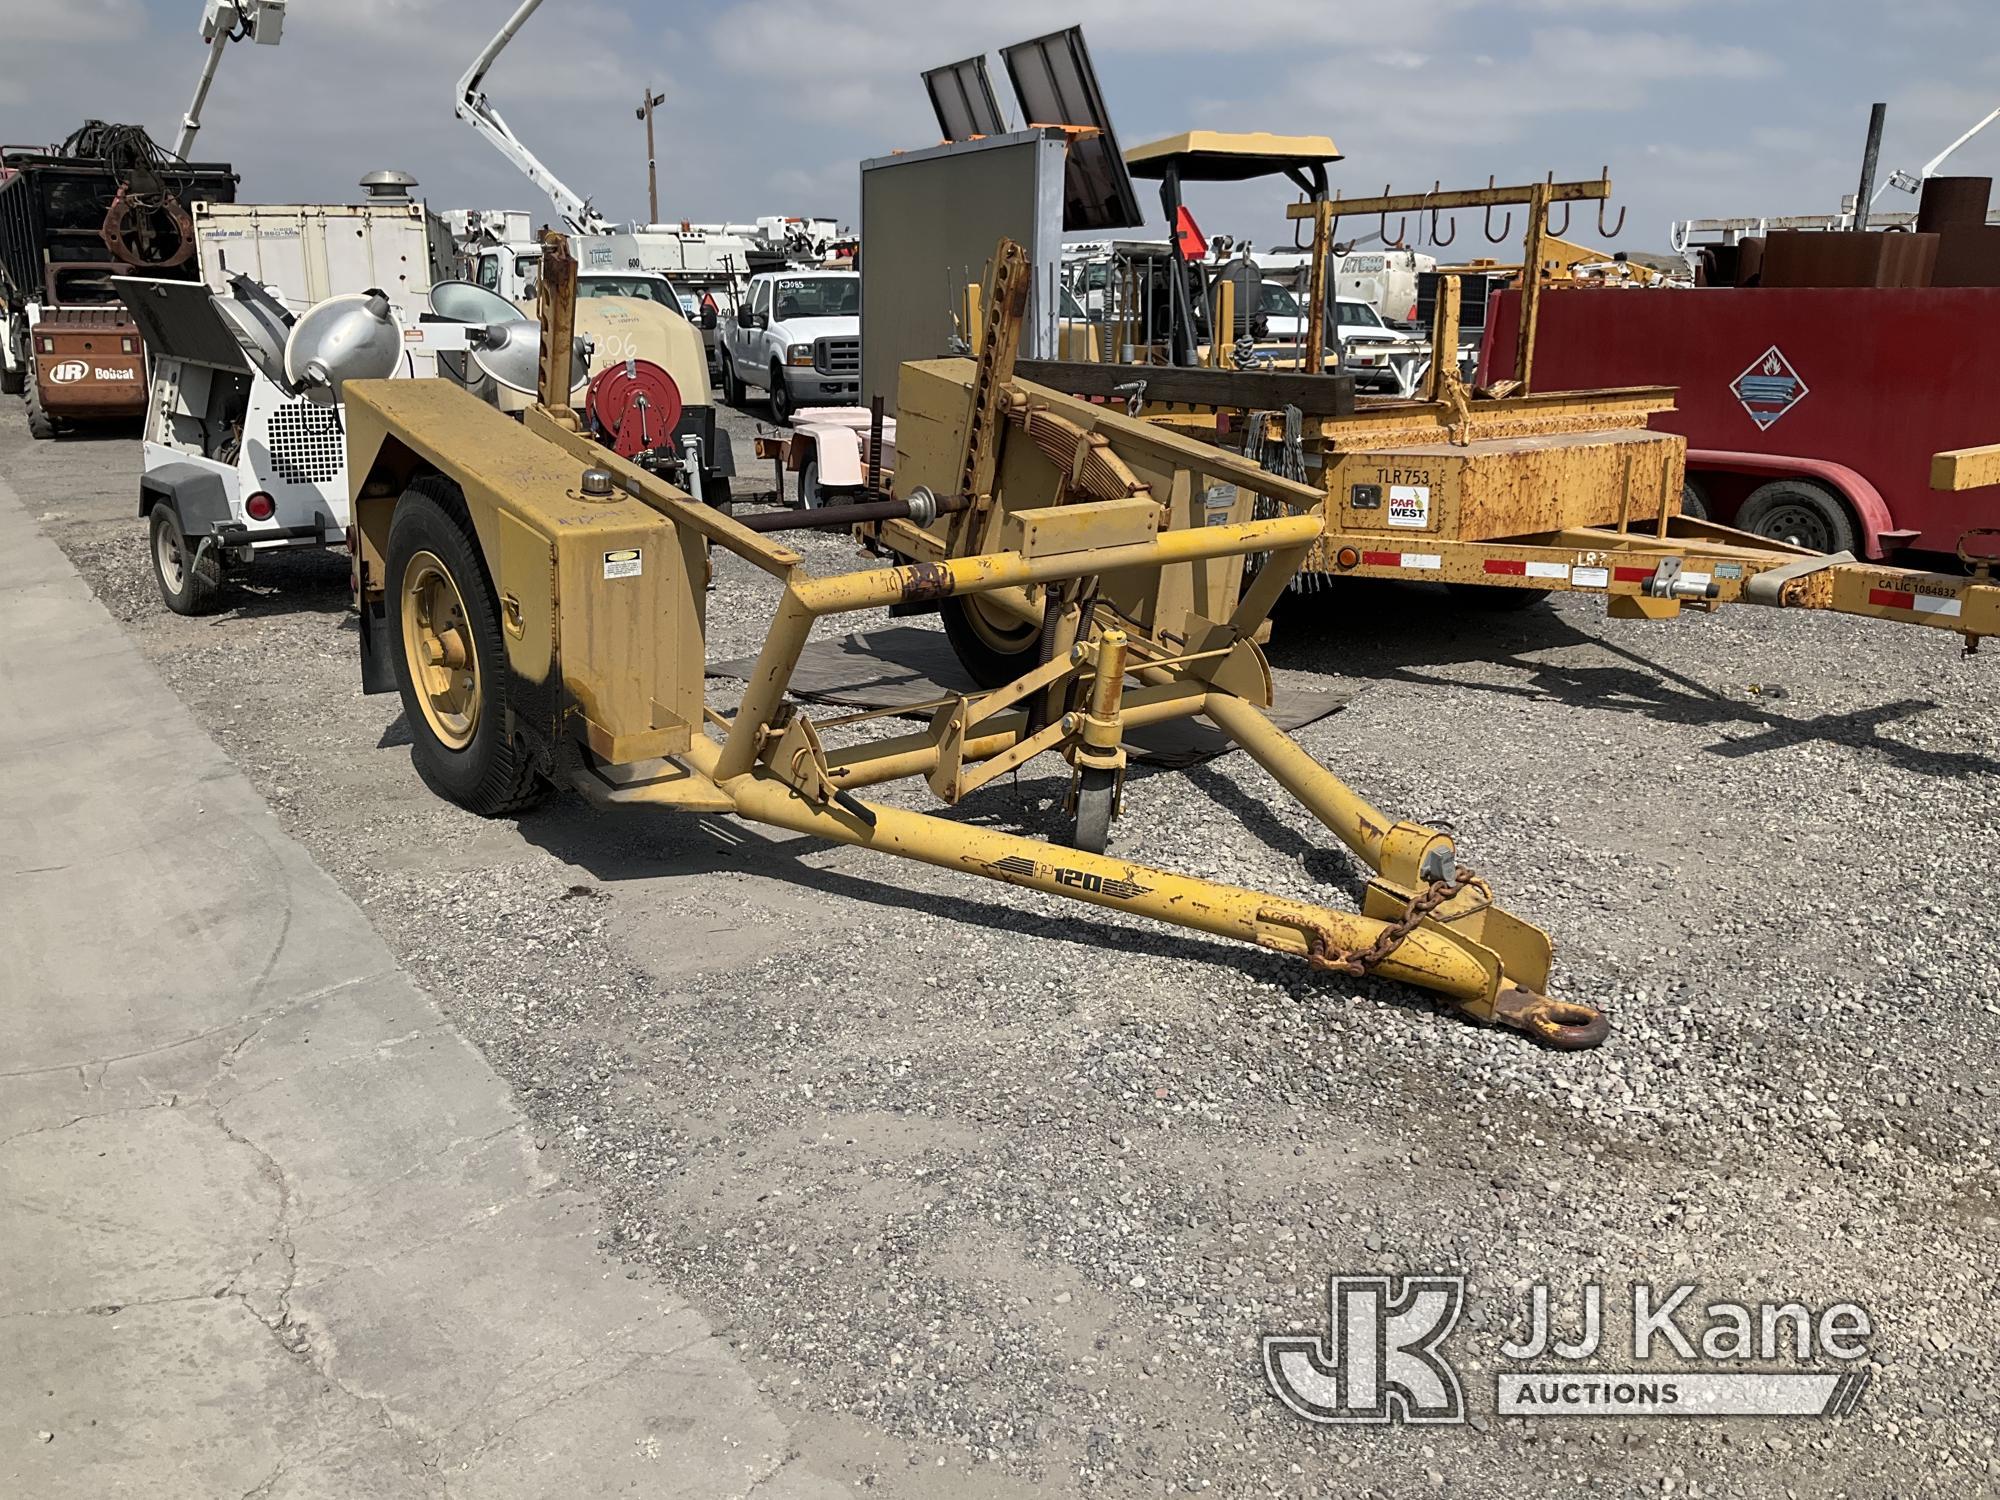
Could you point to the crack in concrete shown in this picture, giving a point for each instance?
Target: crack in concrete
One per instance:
(275, 1174)
(255, 1019)
(74, 1120)
(361, 1197)
(368, 1054)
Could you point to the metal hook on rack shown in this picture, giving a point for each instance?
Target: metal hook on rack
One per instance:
(1332, 225)
(1382, 229)
(1437, 238)
(1505, 229)
(1612, 232)
(1548, 221)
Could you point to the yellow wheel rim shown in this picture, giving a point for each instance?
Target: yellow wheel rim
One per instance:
(437, 647)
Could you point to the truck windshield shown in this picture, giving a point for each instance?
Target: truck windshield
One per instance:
(1275, 301)
(1357, 315)
(818, 297)
(645, 288)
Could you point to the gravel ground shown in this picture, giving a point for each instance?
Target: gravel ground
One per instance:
(997, 1192)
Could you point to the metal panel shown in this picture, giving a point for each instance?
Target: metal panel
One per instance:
(1886, 377)
(930, 221)
(177, 319)
(962, 96)
(1056, 85)
(313, 251)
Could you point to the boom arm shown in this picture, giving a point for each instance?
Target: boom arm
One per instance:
(472, 106)
(223, 22)
(1931, 166)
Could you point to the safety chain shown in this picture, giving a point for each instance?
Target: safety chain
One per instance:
(1390, 938)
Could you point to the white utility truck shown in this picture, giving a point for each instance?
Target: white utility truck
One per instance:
(797, 338)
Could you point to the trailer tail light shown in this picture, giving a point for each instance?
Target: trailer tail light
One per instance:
(261, 506)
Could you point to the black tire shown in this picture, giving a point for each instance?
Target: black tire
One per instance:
(1096, 792)
(715, 491)
(40, 423)
(12, 377)
(491, 773)
(1694, 501)
(732, 386)
(1801, 513)
(992, 655)
(1494, 597)
(782, 406)
(189, 584)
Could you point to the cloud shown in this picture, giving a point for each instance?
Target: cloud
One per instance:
(841, 62)
(40, 22)
(1564, 71)
(772, 102)
(1611, 7)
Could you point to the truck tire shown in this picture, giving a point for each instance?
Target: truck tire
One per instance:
(189, 579)
(40, 423)
(994, 648)
(1694, 502)
(1800, 512)
(781, 398)
(732, 385)
(450, 658)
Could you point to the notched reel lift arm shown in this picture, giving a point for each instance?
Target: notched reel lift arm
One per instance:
(1122, 541)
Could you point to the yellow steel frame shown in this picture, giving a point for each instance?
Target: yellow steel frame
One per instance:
(766, 761)
(1424, 921)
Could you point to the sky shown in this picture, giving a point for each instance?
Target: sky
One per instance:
(1698, 107)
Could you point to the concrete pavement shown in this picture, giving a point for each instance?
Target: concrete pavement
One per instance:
(267, 1225)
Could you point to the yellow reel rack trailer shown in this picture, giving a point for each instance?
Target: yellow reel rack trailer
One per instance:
(538, 603)
(1506, 489)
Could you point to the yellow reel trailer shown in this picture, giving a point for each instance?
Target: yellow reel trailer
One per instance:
(538, 602)
(1508, 490)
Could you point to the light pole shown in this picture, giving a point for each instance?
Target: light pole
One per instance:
(645, 112)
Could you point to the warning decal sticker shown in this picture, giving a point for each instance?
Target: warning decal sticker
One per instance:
(1769, 388)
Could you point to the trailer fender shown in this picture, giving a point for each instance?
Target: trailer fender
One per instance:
(1870, 509)
(837, 449)
(196, 495)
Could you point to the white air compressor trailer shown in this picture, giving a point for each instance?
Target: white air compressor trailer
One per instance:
(234, 466)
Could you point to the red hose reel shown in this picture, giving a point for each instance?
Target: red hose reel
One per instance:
(633, 406)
